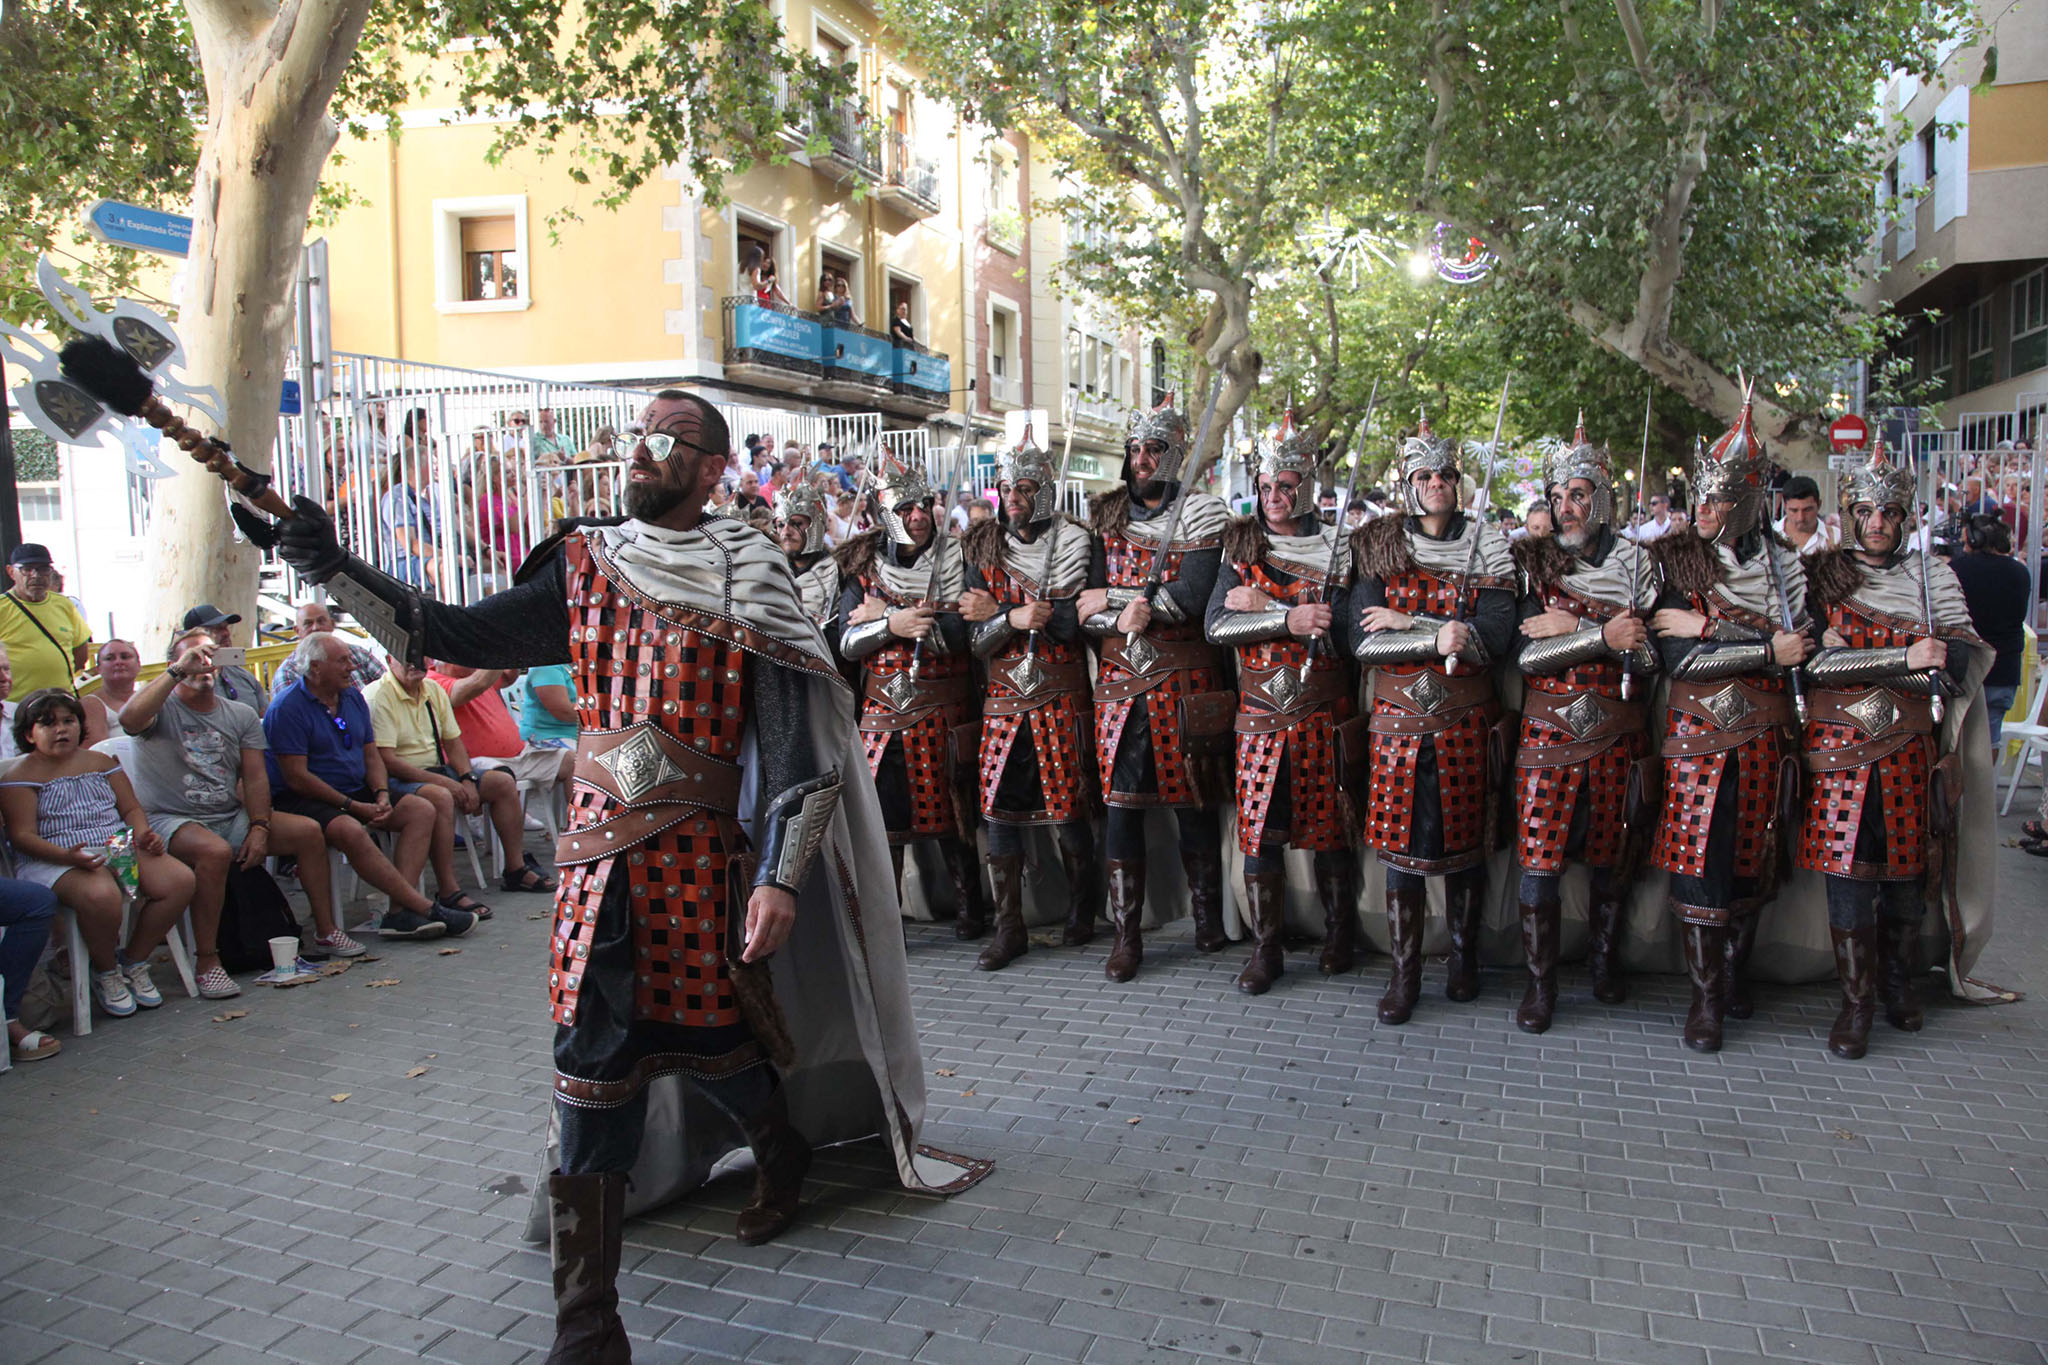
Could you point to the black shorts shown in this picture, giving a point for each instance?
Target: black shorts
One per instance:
(322, 813)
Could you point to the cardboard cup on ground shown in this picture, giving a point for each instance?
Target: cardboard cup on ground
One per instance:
(284, 952)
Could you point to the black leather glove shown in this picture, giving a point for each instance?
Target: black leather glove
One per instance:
(257, 529)
(308, 543)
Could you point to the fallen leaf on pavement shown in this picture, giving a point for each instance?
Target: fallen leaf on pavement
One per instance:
(1130, 1120)
(342, 1096)
(945, 1071)
(381, 981)
(418, 1071)
(231, 1014)
(450, 952)
(967, 1094)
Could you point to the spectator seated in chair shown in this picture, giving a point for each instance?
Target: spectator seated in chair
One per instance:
(62, 803)
(315, 619)
(231, 681)
(421, 744)
(324, 764)
(192, 748)
(26, 911)
(505, 759)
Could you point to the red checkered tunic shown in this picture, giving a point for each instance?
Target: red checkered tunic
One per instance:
(1835, 801)
(1129, 564)
(1058, 727)
(926, 757)
(1460, 749)
(1693, 782)
(633, 665)
(1322, 814)
(1545, 797)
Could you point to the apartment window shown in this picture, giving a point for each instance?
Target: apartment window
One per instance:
(480, 254)
(2030, 322)
(1160, 393)
(1091, 371)
(1002, 353)
(1980, 366)
(1073, 358)
(1941, 356)
(1929, 137)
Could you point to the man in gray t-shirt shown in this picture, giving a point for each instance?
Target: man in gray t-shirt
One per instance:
(196, 759)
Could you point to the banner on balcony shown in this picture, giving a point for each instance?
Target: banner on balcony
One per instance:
(765, 329)
(862, 353)
(923, 370)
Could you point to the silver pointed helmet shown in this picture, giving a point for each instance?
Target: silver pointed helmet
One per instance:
(1879, 483)
(1734, 470)
(1425, 452)
(802, 500)
(900, 484)
(1288, 452)
(1579, 458)
(1166, 425)
(1028, 461)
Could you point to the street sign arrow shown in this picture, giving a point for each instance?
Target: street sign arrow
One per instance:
(144, 229)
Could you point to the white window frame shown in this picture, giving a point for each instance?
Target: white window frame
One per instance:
(2029, 290)
(767, 222)
(839, 33)
(1014, 374)
(1940, 331)
(448, 216)
(856, 275)
(920, 303)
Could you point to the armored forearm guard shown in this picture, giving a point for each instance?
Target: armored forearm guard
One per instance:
(1248, 627)
(1708, 662)
(793, 829)
(859, 641)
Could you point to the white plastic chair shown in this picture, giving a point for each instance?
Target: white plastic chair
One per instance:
(2025, 739)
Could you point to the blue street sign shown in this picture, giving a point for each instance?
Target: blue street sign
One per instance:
(132, 225)
(288, 401)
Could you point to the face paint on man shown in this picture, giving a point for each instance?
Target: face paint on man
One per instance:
(792, 534)
(1436, 491)
(1019, 497)
(657, 487)
(1572, 508)
(1277, 493)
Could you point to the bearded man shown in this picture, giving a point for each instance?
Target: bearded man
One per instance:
(1729, 585)
(1161, 714)
(1034, 742)
(800, 521)
(712, 829)
(1584, 738)
(1281, 592)
(1434, 612)
(898, 617)
(1871, 741)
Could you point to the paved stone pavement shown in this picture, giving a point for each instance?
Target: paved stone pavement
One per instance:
(1182, 1172)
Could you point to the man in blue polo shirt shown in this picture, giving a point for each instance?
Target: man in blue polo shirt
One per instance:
(324, 765)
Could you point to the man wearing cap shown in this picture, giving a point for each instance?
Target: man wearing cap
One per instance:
(232, 681)
(45, 634)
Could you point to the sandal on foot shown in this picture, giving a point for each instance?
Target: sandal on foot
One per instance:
(527, 879)
(2035, 830)
(35, 1045)
(461, 900)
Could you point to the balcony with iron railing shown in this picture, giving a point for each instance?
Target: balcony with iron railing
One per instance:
(776, 346)
(854, 152)
(772, 344)
(923, 381)
(911, 184)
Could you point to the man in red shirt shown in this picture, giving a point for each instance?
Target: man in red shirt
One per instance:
(492, 735)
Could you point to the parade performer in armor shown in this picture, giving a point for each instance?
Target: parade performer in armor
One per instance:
(1729, 755)
(1587, 595)
(1281, 592)
(800, 520)
(714, 826)
(1428, 598)
(1870, 741)
(1161, 718)
(898, 617)
(1035, 738)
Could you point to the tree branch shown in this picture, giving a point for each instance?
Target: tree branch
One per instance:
(1658, 286)
(1638, 45)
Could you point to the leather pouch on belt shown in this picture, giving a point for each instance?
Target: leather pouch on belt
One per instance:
(753, 984)
(1208, 724)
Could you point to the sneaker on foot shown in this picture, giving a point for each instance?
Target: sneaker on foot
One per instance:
(110, 989)
(457, 920)
(141, 987)
(216, 984)
(338, 944)
(535, 824)
(405, 924)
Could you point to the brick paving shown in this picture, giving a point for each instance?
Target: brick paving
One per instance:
(1182, 1172)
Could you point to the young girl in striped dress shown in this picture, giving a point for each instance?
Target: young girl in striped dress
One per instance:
(62, 803)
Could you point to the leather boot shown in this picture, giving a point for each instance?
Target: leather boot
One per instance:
(1856, 964)
(965, 874)
(1265, 896)
(1126, 912)
(1006, 870)
(1404, 934)
(1084, 882)
(1205, 898)
(1603, 944)
(1464, 897)
(1706, 962)
(781, 1158)
(1337, 888)
(1898, 953)
(1743, 916)
(1541, 928)
(586, 1221)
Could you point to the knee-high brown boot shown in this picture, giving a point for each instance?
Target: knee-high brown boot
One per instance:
(1541, 927)
(1337, 888)
(1706, 962)
(1006, 870)
(964, 872)
(1898, 954)
(1464, 898)
(1205, 898)
(1856, 964)
(782, 1156)
(1404, 934)
(1603, 940)
(1126, 913)
(1743, 916)
(1265, 896)
(1084, 882)
(586, 1220)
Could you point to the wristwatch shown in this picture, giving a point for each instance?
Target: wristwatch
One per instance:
(260, 822)
(469, 776)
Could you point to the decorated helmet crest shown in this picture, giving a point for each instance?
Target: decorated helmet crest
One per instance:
(1425, 452)
(1579, 458)
(1029, 461)
(1734, 470)
(1288, 452)
(900, 484)
(802, 500)
(1166, 425)
(1879, 483)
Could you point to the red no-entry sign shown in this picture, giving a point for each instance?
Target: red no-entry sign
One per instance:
(1848, 432)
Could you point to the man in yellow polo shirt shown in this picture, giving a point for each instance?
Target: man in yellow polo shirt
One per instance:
(46, 637)
(422, 749)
